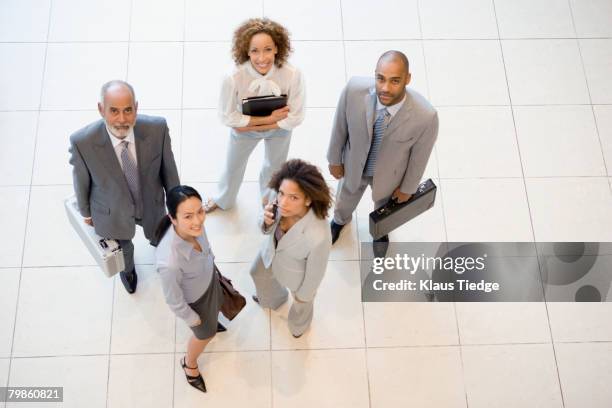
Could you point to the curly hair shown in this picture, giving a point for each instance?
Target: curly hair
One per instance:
(246, 31)
(310, 181)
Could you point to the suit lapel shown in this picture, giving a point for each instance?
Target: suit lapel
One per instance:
(106, 153)
(370, 103)
(294, 235)
(400, 117)
(143, 150)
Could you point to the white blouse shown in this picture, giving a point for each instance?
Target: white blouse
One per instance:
(246, 82)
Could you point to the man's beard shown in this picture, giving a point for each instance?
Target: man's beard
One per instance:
(121, 132)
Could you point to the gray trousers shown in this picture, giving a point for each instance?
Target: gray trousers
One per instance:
(238, 152)
(346, 201)
(272, 294)
(128, 251)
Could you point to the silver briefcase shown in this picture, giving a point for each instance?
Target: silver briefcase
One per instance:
(107, 252)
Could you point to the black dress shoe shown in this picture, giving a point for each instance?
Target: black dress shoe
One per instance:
(380, 246)
(335, 231)
(220, 328)
(195, 381)
(129, 280)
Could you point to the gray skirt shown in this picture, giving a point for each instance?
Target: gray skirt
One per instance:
(207, 307)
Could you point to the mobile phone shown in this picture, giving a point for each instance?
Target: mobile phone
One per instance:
(274, 210)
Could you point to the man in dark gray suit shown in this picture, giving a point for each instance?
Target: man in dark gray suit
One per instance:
(383, 136)
(121, 166)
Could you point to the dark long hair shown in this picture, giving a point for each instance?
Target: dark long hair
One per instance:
(174, 197)
(311, 182)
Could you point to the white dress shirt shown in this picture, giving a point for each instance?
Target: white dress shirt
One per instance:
(118, 148)
(246, 82)
(393, 109)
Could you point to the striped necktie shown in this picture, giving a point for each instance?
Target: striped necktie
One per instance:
(130, 171)
(380, 125)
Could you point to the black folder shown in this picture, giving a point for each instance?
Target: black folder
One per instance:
(392, 215)
(263, 105)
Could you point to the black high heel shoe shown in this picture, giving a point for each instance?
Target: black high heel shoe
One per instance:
(195, 382)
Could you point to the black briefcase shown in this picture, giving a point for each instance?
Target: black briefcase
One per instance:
(392, 215)
(263, 105)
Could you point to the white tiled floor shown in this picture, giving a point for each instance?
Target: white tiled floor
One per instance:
(546, 71)
(569, 135)
(523, 92)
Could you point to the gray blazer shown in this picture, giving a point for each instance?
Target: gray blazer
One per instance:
(405, 148)
(300, 259)
(100, 186)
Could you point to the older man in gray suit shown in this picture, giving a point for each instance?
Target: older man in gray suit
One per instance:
(121, 166)
(383, 136)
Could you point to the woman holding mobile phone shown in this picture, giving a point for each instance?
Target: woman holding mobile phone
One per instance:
(295, 254)
(260, 50)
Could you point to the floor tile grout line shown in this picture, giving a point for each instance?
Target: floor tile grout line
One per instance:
(181, 121)
(465, 178)
(202, 108)
(468, 177)
(174, 360)
(182, 89)
(442, 207)
(554, 349)
(343, 41)
(365, 340)
(270, 357)
(586, 80)
(435, 152)
(518, 146)
(514, 126)
(29, 200)
(331, 348)
(110, 340)
(353, 40)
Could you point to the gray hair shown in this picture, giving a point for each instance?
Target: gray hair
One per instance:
(116, 82)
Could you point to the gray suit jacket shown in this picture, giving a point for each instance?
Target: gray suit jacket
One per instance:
(406, 145)
(300, 259)
(100, 186)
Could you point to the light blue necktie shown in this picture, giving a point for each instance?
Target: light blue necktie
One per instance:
(380, 125)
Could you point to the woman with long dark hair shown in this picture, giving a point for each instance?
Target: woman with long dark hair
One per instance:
(186, 266)
(295, 254)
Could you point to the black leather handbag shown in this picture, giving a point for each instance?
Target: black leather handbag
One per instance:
(392, 215)
(263, 105)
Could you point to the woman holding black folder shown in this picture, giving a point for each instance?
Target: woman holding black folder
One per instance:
(260, 49)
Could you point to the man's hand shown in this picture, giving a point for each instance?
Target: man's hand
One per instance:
(279, 114)
(269, 215)
(400, 197)
(337, 170)
(88, 221)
